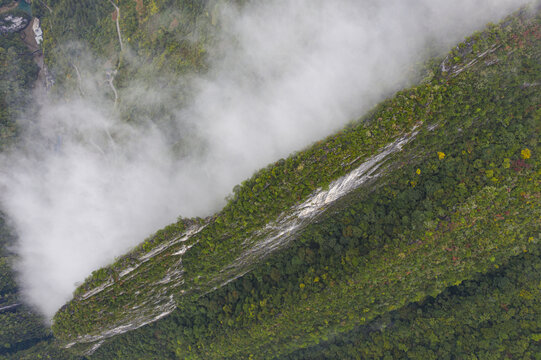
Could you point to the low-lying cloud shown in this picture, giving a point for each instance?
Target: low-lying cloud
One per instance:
(85, 186)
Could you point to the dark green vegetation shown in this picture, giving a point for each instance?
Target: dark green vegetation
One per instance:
(438, 258)
(461, 200)
(165, 35)
(20, 328)
(22, 332)
(17, 74)
(493, 316)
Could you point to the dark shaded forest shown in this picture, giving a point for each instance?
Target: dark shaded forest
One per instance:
(439, 258)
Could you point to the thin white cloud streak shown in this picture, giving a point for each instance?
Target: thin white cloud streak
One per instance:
(84, 187)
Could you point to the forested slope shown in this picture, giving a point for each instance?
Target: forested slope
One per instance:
(460, 199)
(434, 255)
(495, 316)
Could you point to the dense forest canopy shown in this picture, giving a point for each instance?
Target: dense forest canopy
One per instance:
(436, 255)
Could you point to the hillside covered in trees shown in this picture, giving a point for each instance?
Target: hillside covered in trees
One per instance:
(430, 250)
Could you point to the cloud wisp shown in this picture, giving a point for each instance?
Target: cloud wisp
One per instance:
(84, 186)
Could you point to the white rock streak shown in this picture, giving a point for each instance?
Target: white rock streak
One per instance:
(338, 188)
(159, 301)
(278, 233)
(158, 298)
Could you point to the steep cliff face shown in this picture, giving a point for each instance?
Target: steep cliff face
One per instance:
(435, 185)
(412, 233)
(154, 298)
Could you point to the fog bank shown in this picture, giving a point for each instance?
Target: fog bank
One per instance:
(84, 186)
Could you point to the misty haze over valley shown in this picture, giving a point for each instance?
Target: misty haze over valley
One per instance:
(120, 149)
(86, 187)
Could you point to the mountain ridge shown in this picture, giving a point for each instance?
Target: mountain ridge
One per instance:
(412, 233)
(418, 100)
